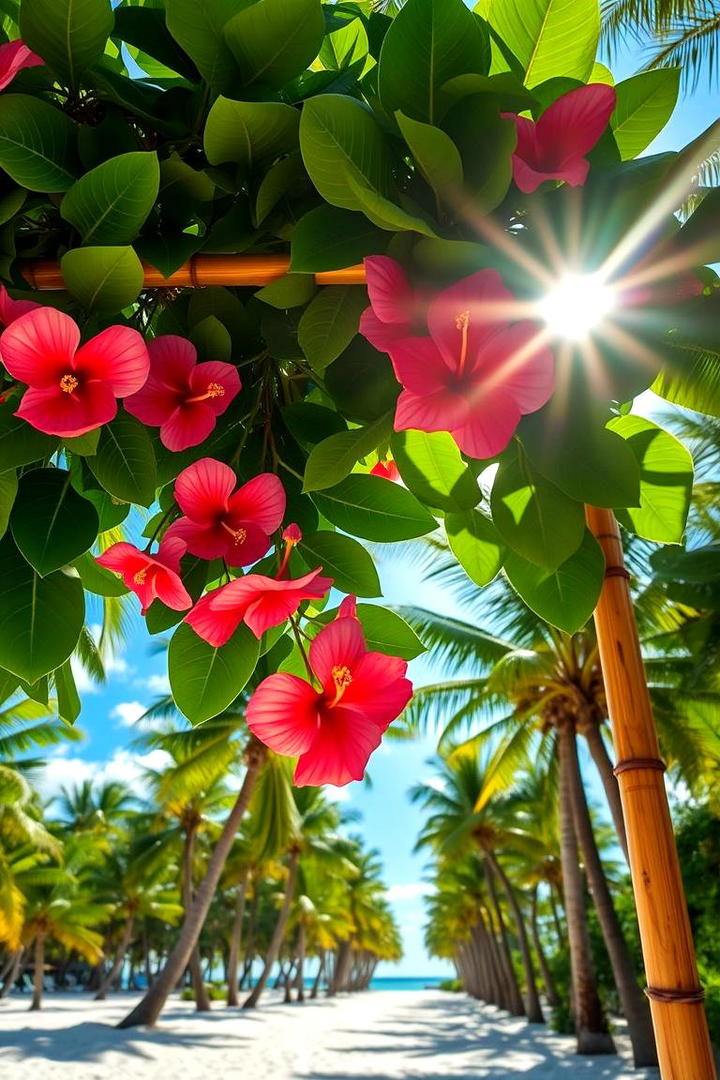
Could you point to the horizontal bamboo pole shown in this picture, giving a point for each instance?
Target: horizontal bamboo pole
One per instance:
(676, 997)
(202, 270)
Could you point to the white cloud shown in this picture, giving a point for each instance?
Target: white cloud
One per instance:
(113, 662)
(124, 767)
(128, 712)
(156, 684)
(408, 890)
(435, 782)
(338, 794)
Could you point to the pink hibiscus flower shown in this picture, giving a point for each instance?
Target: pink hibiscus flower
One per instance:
(554, 148)
(258, 601)
(221, 523)
(11, 309)
(333, 730)
(181, 397)
(394, 304)
(388, 470)
(150, 577)
(72, 390)
(14, 56)
(477, 373)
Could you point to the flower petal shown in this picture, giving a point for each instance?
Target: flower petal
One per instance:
(572, 125)
(380, 335)
(341, 751)
(11, 309)
(39, 347)
(283, 714)
(441, 411)
(379, 688)
(224, 375)
(172, 358)
(14, 57)
(526, 178)
(488, 430)
(262, 500)
(119, 357)
(202, 489)
(170, 552)
(391, 297)
(170, 590)
(217, 625)
(468, 313)
(188, 425)
(154, 404)
(56, 413)
(517, 360)
(418, 365)
(124, 558)
(341, 644)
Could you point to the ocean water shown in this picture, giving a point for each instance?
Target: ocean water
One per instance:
(419, 982)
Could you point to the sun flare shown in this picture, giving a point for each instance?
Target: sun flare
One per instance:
(576, 305)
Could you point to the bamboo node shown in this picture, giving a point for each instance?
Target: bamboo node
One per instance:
(617, 571)
(676, 997)
(640, 763)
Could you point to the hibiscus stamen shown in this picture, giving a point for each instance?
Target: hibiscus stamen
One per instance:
(239, 536)
(462, 321)
(342, 678)
(291, 536)
(213, 390)
(139, 577)
(68, 383)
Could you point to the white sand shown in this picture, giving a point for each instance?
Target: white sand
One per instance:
(385, 1035)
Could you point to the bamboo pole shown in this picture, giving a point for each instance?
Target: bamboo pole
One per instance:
(676, 996)
(44, 274)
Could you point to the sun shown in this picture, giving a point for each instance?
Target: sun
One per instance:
(576, 305)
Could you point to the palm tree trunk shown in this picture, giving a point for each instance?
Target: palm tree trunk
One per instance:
(11, 972)
(591, 1028)
(236, 941)
(516, 1005)
(634, 1003)
(550, 988)
(556, 917)
(341, 969)
(318, 977)
(148, 1010)
(278, 934)
(146, 955)
(300, 977)
(36, 1002)
(534, 1009)
(115, 970)
(202, 1000)
(599, 753)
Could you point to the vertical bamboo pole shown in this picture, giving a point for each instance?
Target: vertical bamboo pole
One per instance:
(676, 997)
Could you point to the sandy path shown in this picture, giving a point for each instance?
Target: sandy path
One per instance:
(382, 1035)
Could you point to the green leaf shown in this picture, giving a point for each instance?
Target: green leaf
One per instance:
(275, 40)
(21, 444)
(566, 597)
(362, 382)
(385, 213)
(109, 204)
(699, 238)
(340, 140)
(204, 680)
(330, 322)
(309, 423)
(51, 524)
(8, 491)
(197, 26)
(485, 141)
(40, 618)
(97, 579)
(85, 445)
(331, 460)
(70, 35)
(666, 480)
(432, 468)
(533, 516)
(476, 544)
(289, 291)
(385, 631)
(691, 373)
(645, 103)
(284, 177)
(436, 156)
(37, 144)
(374, 509)
(328, 238)
(145, 28)
(104, 279)
(125, 462)
(578, 454)
(249, 132)
(212, 340)
(429, 42)
(548, 37)
(344, 560)
(68, 699)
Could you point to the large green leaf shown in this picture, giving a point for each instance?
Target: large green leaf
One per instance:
(333, 458)
(152, 46)
(66, 692)
(565, 597)
(476, 544)
(436, 156)
(204, 680)
(275, 40)
(40, 618)
(666, 480)
(428, 43)
(197, 25)
(549, 37)
(104, 279)
(340, 139)
(330, 322)
(533, 516)
(328, 238)
(385, 631)
(97, 579)
(70, 35)
(109, 204)
(374, 509)
(249, 132)
(645, 103)
(432, 468)
(21, 444)
(344, 560)
(51, 523)
(691, 374)
(125, 462)
(37, 144)
(8, 491)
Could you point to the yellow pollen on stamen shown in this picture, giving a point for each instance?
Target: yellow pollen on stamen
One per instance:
(462, 321)
(68, 383)
(239, 536)
(214, 389)
(139, 578)
(342, 678)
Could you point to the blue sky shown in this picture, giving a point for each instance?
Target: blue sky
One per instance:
(389, 822)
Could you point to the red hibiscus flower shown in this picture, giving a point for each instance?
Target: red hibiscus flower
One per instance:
(393, 303)
(181, 397)
(150, 577)
(554, 148)
(11, 309)
(388, 470)
(72, 390)
(477, 373)
(14, 56)
(260, 602)
(335, 729)
(221, 523)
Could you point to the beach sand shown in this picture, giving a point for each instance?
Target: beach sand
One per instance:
(383, 1035)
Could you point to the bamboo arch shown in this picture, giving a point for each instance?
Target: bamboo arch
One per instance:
(674, 990)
